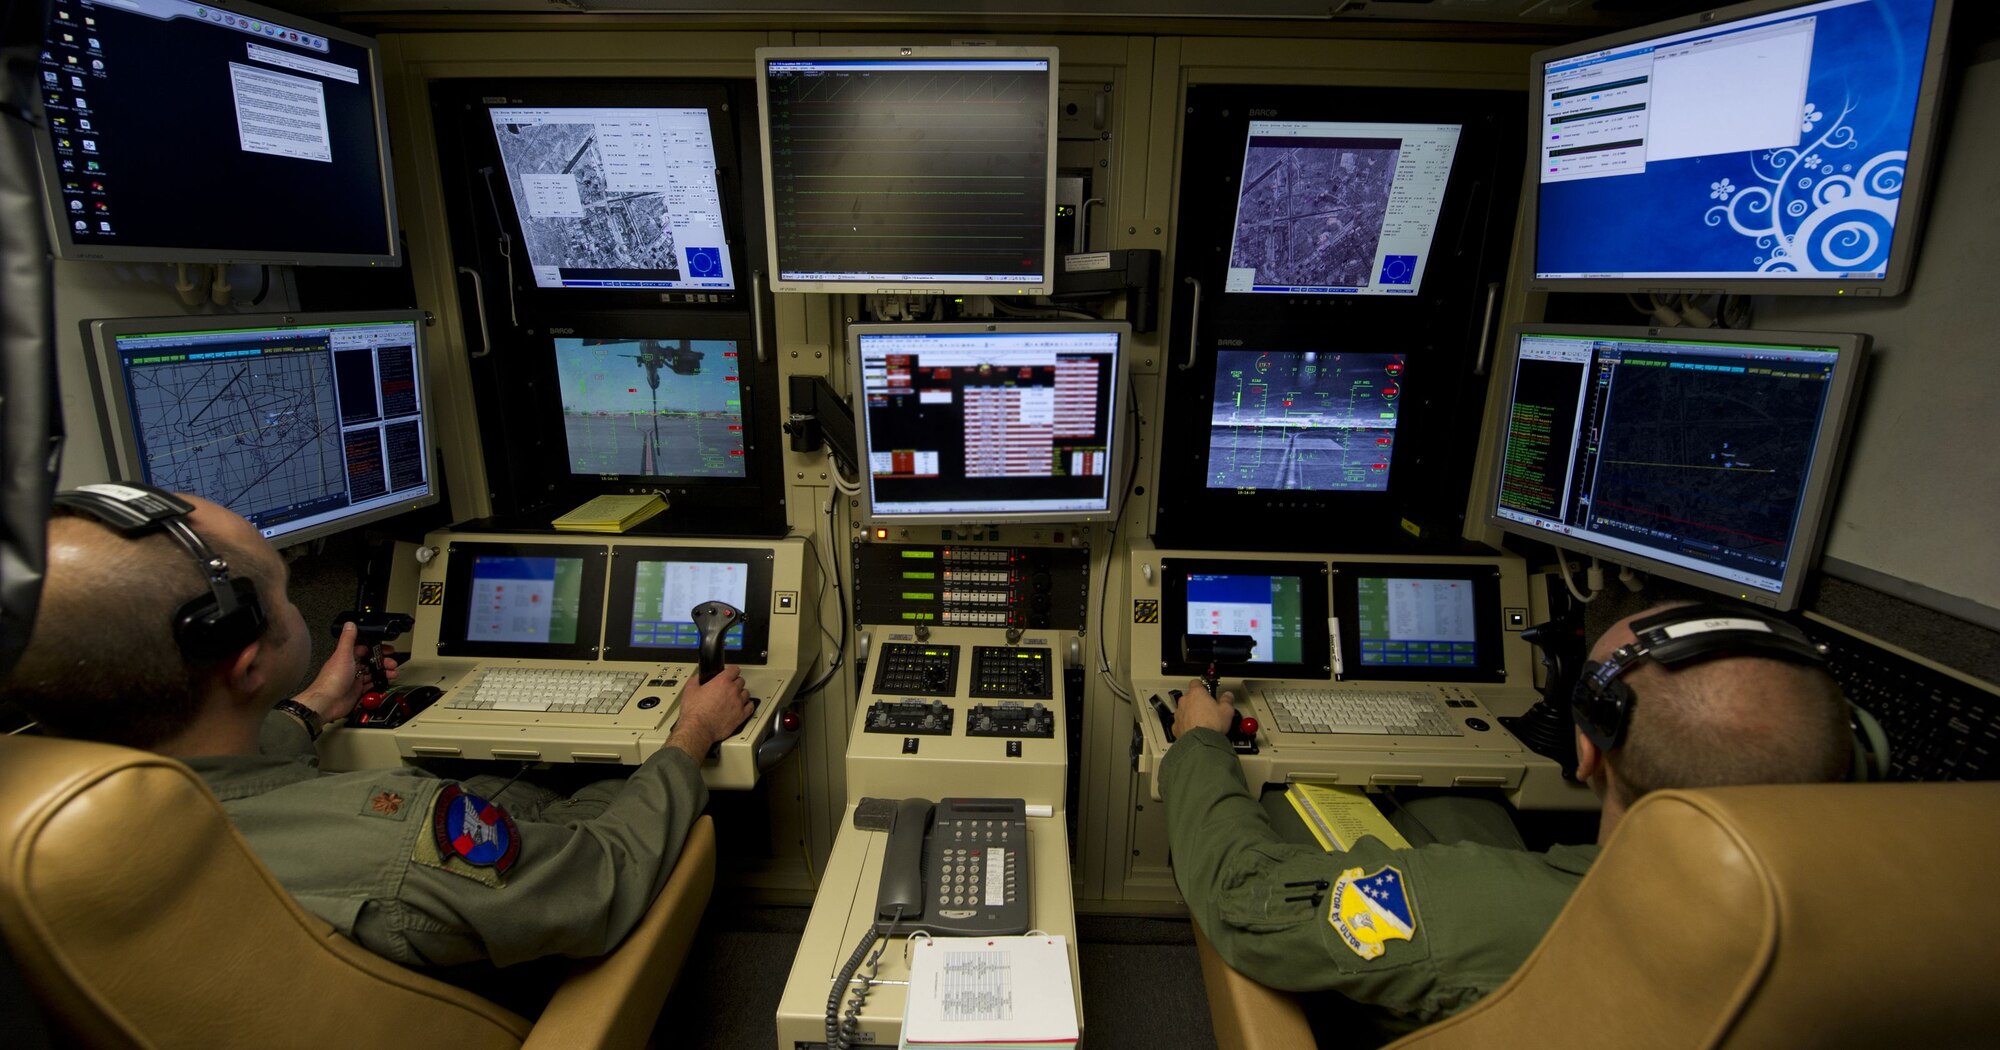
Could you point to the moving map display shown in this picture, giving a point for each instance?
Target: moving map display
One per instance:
(1338, 208)
(615, 198)
(302, 428)
(662, 408)
(1304, 421)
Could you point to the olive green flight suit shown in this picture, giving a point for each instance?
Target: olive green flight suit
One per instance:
(358, 850)
(1477, 910)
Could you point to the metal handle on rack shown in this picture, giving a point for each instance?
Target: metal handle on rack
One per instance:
(757, 313)
(1486, 329)
(479, 304)
(1194, 324)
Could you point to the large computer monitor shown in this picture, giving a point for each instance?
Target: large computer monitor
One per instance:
(1304, 420)
(304, 424)
(911, 170)
(1773, 147)
(213, 132)
(984, 423)
(1339, 207)
(616, 197)
(1701, 455)
(651, 406)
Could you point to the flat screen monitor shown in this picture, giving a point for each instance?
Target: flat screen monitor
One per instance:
(1338, 207)
(1414, 621)
(618, 198)
(1704, 456)
(213, 132)
(1773, 147)
(305, 424)
(1280, 605)
(968, 423)
(654, 591)
(910, 170)
(1304, 421)
(645, 406)
(523, 600)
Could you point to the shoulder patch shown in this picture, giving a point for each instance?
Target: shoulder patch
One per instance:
(1368, 911)
(469, 836)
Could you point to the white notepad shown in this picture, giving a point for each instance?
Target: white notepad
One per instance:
(990, 992)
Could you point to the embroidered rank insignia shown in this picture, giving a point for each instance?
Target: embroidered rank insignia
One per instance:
(386, 802)
(1368, 911)
(475, 830)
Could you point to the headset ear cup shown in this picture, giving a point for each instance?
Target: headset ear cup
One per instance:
(1599, 713)
(1871, 746)
(205, 634)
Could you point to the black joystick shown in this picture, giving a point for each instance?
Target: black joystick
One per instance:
(372, 629)
(713, 620)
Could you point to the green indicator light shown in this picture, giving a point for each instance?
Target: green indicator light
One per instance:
(920, 576)
(918, 554)
(919, 596)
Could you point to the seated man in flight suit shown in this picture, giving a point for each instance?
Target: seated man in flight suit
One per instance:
(423, 870)
(1426, 931)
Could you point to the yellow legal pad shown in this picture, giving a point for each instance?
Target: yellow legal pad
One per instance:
(1339, 816)
(611, 513)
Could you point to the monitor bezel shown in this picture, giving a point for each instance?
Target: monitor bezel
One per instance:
(456, 613)
(487, 93)
(625, 561)
(65, 247)
(1316, 609)
(1485, 581)
(121, 444)
(1816, 498)
(1117, 442)
(1922, 154)
(766, 55)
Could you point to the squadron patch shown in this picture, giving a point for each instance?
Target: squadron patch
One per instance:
(1368, 911)
(474, 830)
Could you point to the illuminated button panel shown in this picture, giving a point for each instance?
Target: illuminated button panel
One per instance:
(917, 670)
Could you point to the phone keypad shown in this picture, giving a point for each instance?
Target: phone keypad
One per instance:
(978, 866)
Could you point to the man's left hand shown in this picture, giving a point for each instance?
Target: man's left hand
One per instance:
(1198, 710)
(344, 677)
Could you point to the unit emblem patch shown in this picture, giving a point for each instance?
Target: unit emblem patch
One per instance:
(475, 830)
(1368, 911)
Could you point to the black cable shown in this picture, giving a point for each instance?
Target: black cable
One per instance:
(263, 285)
(839, 1030)
(840, 598)
(1111, 540)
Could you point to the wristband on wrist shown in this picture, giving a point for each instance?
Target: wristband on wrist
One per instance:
(304, 714)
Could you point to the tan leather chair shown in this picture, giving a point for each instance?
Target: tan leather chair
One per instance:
(140, 918)
(1835, 915)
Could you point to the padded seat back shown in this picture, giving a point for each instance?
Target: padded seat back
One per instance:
(140, 918)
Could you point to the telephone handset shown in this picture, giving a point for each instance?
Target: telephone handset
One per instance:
(959, 868)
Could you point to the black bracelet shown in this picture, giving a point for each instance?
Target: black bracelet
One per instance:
(307, 715)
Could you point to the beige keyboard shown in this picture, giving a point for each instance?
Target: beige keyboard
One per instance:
(546, 689)
(1379, 713)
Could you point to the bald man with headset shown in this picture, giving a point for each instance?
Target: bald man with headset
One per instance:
(1682, 696)
(165, 625)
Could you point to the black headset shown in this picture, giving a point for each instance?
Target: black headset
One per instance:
(210, 627)
(1602, 703)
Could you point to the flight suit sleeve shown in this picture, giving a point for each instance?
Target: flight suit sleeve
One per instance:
(1268, 906)
(283, 735)
(574, 889)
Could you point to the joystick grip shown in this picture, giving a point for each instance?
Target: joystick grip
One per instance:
(713, 620)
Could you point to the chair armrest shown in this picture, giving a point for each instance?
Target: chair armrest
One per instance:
(1247, 1015)
(613, 1001)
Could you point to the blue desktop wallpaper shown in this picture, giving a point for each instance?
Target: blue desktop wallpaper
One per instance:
(1828, 206)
